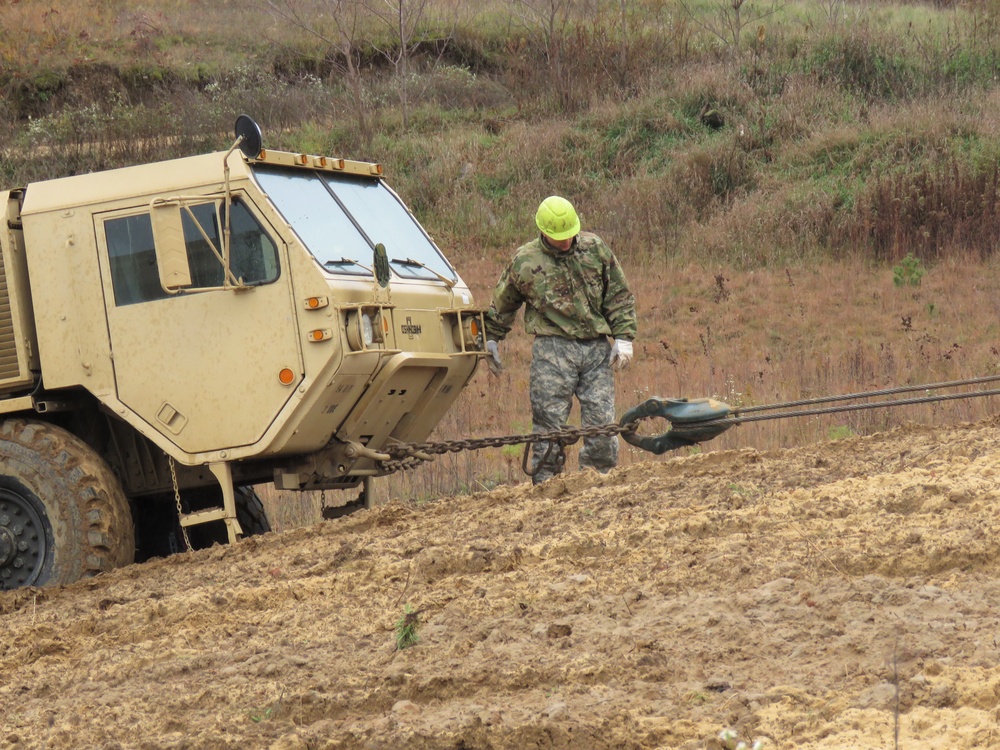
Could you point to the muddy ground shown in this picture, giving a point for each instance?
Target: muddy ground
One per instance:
(838, 596)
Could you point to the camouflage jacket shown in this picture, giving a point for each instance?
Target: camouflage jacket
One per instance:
(578, 294)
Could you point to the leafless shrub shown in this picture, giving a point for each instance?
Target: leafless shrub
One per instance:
(929, 210)
(728, 19)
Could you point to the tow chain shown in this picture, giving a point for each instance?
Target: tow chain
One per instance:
(409, 455)
(177, 502)
(692, 422)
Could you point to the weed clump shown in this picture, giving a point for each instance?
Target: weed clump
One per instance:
(406, 629)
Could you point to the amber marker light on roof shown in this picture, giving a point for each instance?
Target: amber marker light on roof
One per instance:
(286, 376)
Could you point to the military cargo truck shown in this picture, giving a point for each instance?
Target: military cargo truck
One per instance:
(174, 334)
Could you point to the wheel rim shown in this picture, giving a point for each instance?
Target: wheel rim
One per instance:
(23, 540)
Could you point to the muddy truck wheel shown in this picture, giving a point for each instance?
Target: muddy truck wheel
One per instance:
(250, 512)
(63, 514)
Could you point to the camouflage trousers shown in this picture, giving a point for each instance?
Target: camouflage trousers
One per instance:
(561, 369)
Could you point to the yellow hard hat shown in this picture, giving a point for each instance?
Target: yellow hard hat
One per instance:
(556, 218)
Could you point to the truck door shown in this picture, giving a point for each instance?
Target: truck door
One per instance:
(201, 365)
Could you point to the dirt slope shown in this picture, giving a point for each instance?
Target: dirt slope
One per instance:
(809, 598)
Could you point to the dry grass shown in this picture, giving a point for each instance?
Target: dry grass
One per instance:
(172, 33)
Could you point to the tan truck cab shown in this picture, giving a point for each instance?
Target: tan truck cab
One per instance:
(209, 324)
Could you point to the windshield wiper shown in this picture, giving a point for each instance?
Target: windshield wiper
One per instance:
(411, 262)
(345, 262)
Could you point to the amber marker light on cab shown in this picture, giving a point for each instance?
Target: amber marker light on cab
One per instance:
(316, 303)
(286, 376)
(466, 334)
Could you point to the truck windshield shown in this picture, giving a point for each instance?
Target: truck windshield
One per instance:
(341, 218)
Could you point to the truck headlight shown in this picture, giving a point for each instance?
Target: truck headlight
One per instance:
(360, 332)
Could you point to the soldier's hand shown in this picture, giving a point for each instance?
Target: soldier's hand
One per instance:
(493, 361)
(621, 354)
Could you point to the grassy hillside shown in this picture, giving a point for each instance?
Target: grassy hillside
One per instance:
(761, 169)
(683, 129)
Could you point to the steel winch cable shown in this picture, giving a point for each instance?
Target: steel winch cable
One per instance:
(872, 394)
(739, 418)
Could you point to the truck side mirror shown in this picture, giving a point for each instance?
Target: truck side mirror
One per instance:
(248, 136)
(171, 250)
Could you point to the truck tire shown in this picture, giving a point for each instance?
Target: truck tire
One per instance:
(63, 513)
(250, 512)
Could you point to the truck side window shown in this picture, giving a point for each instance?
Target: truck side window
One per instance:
(134, 274)
(205, 268)
(253, 254)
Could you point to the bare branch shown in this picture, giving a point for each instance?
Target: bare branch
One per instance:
(345, 17)
(731, 17)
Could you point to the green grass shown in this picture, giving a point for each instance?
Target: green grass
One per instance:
(407, 629)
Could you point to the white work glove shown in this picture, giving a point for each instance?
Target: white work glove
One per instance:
(495, 365)
(621, 354)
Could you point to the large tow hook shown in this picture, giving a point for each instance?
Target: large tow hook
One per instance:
(691, 422)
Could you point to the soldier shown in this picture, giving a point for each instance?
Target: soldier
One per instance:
(575, 296)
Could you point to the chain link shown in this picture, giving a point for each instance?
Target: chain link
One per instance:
(177, 500)
(409, 455)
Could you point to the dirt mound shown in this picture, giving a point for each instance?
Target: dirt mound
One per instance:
(836, 596)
